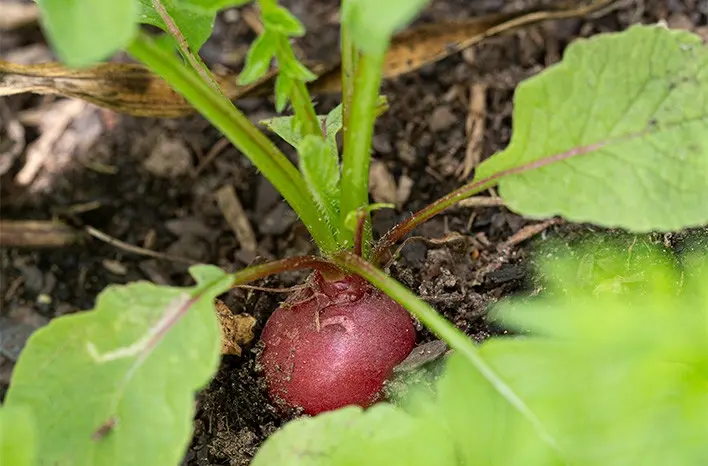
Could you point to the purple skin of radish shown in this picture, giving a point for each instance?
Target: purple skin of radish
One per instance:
(333, 344)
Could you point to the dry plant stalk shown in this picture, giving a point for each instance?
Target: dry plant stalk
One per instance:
(133, 90)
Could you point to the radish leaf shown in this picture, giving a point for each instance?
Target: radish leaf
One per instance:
(287, 128)
(373, 22)
(319, 164)
(210, 5)
(17, 437)
(383, 434)
(84, 32)
(278, 19)
(613, 135)
(96, 381)
(274, 43)
(258, 59)
(194, 18)
(194, 24)
(618, 373)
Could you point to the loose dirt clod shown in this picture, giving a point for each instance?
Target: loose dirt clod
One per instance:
(236, 330)
(381, 183)
(169, 158)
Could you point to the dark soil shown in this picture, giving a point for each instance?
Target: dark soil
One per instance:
(165, 206)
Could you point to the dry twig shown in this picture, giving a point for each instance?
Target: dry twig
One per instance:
(528, 232)
(37, 234)
(481, 201)
(236, 217)
(474, 128)
(135, 249)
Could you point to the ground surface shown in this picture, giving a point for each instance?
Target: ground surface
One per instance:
(136, 179)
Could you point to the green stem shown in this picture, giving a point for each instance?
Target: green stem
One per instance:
(240, 131)
(193, 58)
(456, 339)
(396, 233)
(304, 110)
(357, 142)
(255, 272)
(349, 56)
(426, 213)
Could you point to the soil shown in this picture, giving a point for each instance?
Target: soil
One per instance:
(135, 179)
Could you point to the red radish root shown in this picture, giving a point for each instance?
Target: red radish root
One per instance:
(333, 344)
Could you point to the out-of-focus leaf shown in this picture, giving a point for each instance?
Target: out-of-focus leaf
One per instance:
(373, 22)
(259, 57)
(381, 435)
(210, 5)
(17, 437)
(281, 20)
(84, 32)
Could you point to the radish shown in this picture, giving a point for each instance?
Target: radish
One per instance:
(332, 344)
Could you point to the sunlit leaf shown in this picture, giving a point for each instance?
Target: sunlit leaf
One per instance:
(615, 134)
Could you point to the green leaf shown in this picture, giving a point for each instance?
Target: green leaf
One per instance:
(259, 58)
(619, 375)
(273, 43)
(289, 64)
(17, 437)
(483, 427)
(334, 119)
(283, 87)
(195, 24)
(210, 5)
(85, 32)
(287, 129)
(333, 122)
(115, 385)
(194, 18)
(382, 435)
(319, 159)
(373, 22)
(350, 219)
(279, 19)
(319, 164)
(613, 135)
